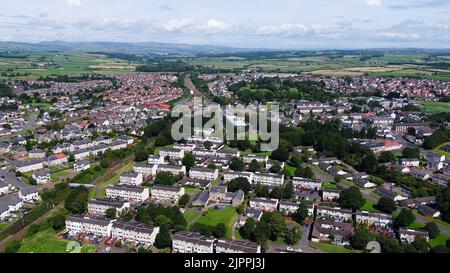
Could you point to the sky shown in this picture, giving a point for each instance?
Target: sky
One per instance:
(280, 24)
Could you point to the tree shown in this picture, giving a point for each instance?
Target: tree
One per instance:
(207, 145)
(163, 222)
(71, 158)
(288, 191)
(301, 214)
(386, 205)
(351, 198)
(361, 238)
(433, 230)
(219, 231)
(237, 164)
(126, 215)
(309, 173)
(369, 164)
(58, 222)
(13, 246)
(255, 166)
(275, 224)
(276, 193)
(389, 245)
(163, 239)
(188, 160)
(275, 168)
(240, 183)
(262, 190)
(184, 200)
(404, 218)
(76, 201)
(296, 161)
(111, 213)
(280, 154)
(386, 157)
(292, 237)
(420, 244)
(248, 228)
(165, 178)
(411, 152)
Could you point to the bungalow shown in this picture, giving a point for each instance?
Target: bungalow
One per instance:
(268, 179)
(134, 232)
(56, 160)
(204, 173)
(410, 162)
(234, 247)
(167, 194)
(249, 158)
(118, 144)
(364, 183)
(230, 175)
(81, 154)
(373, 219)
(174, 154)
(256, 214)
(41, 176)
(264, 204)
(79, 224)
(154, 160)
(190, 242)
(131, 179)
(337, 233)
(428, 211)
(390, 194)
(29, 165)
(440, 179)
(175, 169)
(36, 153)
(81, 165)
(128, 193)
(29, 194)
(330, 195)
(335, 213)
(100, 206)
(147, 170)
(305, 183)
(409, 235)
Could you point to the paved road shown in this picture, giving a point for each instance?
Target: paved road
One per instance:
(190, 85)
(233, 230)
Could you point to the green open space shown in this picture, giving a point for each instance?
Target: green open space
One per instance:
(329, 248)
(228, 216)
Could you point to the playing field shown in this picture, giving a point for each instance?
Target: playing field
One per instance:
(432, 107)
(228, 216)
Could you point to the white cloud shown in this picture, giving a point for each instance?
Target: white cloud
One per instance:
(177, 25)
(73, 2)
(213, 26)
(374, 2)
(399, 36)
(287, 30)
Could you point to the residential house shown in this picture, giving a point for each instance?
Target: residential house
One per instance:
(264, 204)
(409, 235)
(334, 232)
(79, 224)
(305, 183)
(204, 173)
(41, 176)
(334, 213)
(166, 194)
(190, 242)
(128, 193)
(100, 206)
(131, 179)
(134, 232)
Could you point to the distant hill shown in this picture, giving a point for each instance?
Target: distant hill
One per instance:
(116, 47)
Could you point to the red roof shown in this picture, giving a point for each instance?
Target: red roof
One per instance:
(60, 155)
(160, 105)
(391, 143)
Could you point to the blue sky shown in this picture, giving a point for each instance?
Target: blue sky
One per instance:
(293, 24)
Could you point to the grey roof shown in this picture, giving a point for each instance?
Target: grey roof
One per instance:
(9, 200)
(126, 188)
(134, 226)
(107, 202)
(242, 246)
(202, 197)
(29, 190)
(88, 220)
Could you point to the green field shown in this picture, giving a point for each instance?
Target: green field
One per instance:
(368, 206)
(190, 214)
(432, 107)
(3, 226)
(227, 216)
(442, 152)
(440, 240)
(290, 170)
(329, 248)
(45, 242)
(416, 225)
(329, 186)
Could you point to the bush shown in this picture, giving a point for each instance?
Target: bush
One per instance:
(13, 246)
(433, 230)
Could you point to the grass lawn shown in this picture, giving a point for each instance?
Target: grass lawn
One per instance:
(190, 214)
(329, 248)
(191, 191)
(440, 240)
(3, 226)
(290, 170)
(416, 225)
(54, 176)
(227, 216)
(45, 242)
(442, 152)
(368, 206)
(433, 107)
(329, 186)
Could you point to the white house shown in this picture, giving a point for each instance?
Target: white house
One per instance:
(190, 242)
(235, 247)
(335, 213)
(268, 179)
(230, 175)
(134, 232)
(155, 160)
(330, 194)
(41, 176)
(305, 183)
(131, 179)
(128, 193)
(78, 224)
(373, 219)
(204, 173)
(36, 153)
(409, 235)
(410, 162)
(175, 154)
(167, 194)
(175, 169)
(249, 158)
(29, 194)
(145, 169)
(264, 204)
(81, 165)
(100, 206)
(29, 166)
